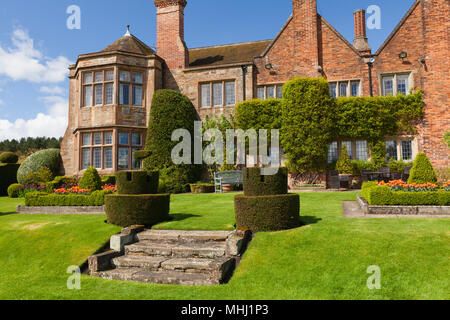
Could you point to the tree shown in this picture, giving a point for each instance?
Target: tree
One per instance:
(422, 171)
(344, 164)
(308, 116)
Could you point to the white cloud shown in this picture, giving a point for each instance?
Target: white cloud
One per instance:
(24, 62)
(56, 90)
(51, 124)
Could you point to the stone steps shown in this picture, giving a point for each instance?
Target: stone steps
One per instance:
(171, 256)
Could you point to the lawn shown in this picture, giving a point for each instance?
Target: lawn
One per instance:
(327, 258)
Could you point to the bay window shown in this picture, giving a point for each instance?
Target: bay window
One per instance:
(131, 88)
(129, 143)
(96, 150)
(98, 88)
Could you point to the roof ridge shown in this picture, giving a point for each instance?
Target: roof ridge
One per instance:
(231, 44)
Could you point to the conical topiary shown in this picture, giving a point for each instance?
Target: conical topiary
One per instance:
(91, 180)
(422, 170)
(344, 164)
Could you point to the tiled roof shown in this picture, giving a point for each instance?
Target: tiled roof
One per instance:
(227, 54)
(130, 44)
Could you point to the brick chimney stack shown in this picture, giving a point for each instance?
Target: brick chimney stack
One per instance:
(170, 33)
(305, 18)
(361, 42)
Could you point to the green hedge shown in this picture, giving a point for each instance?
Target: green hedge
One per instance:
(41, 199)
(256, 184)
(127, 210)
(14, 190)
(267, 213)
(90, 180)
(422, 171)
(8, 174)
(108, 180)
(9, 157)
(383, 195)
(137, 182)
(202, 188)
(49, 158)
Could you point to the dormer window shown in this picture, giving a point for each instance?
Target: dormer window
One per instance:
(131, 92)
(98, 88)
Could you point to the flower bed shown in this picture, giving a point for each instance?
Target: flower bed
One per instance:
(379, 194)
(399, 185)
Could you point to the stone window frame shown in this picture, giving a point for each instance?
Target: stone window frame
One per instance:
(349, 87)
(354, 154)
(398, 140)
(93, 146)
(395, 76)
(131, 148)
(211, 91)
(276, 86)
(131, 70)
(93, 83)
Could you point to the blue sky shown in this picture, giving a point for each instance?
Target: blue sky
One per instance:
(36, 46)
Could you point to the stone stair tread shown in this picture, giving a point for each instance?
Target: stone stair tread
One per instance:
(177, 235)
(205, 250)
(139, 261)
(159, 277)
(203, 264)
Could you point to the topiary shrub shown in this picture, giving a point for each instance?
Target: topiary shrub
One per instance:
(344, 164)
(108, 180)
(267, 213)
(8, 174)
(422, 170)
(137, 182)
(49, 158)
(14, 190)
(128, 210)
(42, 176)
(170, 111)
(256, 184)
(90, 180)
(9, 157)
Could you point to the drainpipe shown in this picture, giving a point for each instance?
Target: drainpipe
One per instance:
(244, 72)
(369, 64)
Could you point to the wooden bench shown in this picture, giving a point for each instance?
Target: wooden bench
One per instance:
(226, 177)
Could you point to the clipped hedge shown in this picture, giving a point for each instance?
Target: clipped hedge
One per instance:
(127, 210)
(256, 184)
(267, 213)
(108, 180)
(137, 182)
(9, 157)
(14, 190)
(49, 158)
(422, 170)
(41, 199)
(8, 174)
(384, 196)
(90, 180)
(202, 188)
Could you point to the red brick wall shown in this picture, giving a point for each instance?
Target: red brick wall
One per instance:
(424, 34)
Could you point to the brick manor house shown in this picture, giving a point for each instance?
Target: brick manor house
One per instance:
(111, 90)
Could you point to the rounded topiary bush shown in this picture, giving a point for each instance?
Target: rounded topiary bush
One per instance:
(256, 184)
(137, 182)
(49, 158)
(344, 164)
(14, 190)
(267, 213)
(422, 170)
(9, 157)
(90, 180)
(128, 210)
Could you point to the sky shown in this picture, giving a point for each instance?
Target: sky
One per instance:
(36, 47)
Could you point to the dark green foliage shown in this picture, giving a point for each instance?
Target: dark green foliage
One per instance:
(267, 213)
(142, 154)
(137, 182)
(41, 199)
(398, 166)
(41, 176)
(365, 189)
(344, 164)
(127, 210)
(383, 195)
(90, 180)
(13, 190)
(256, 184)
(258, 114)
(108, 180)
(422, 170)
(447, 138)
(49, 158)
(202, 188)
(9, 157)
(8, 176)
(26, 145)
(170, 111)
(308, 121)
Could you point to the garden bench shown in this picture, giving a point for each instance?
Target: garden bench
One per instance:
(226, 177)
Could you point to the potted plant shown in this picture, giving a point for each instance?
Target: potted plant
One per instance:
(344, 166)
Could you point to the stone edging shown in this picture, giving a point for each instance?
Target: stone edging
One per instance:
(403, 210)
(60, 210)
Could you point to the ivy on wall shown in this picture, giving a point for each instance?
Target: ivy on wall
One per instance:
(310, 120)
